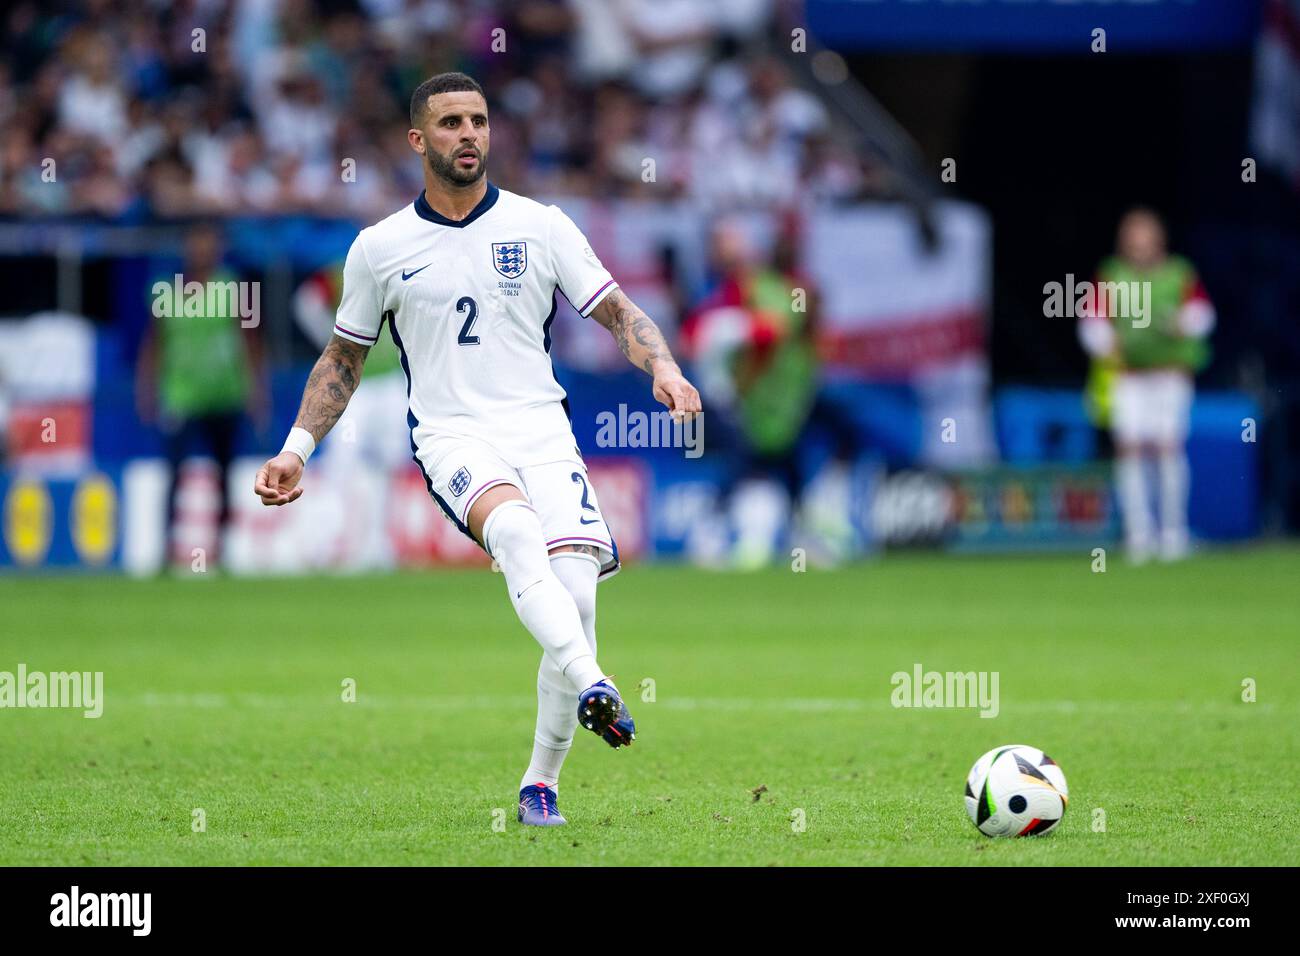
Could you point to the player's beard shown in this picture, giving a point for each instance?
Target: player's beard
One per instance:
(445, 168)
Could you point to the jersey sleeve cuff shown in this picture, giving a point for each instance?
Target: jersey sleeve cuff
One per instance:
(595, 300)
(359, 337)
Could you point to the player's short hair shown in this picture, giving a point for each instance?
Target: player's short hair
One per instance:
(442, 83)
(1144, 211)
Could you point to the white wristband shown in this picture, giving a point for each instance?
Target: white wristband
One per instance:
(300, 443)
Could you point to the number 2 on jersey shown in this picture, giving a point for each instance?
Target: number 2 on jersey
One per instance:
(467, 305)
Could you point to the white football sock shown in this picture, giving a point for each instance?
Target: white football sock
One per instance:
(1130, 474)
(557, 702)
(1172, 464)
(578, 573)
(513, 536)
(557, 718)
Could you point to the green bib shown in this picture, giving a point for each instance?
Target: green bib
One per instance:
(202, 364)
(775, 407)
(1159, 343)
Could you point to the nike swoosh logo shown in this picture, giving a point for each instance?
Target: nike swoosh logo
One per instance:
(406, 275)
(588, 520)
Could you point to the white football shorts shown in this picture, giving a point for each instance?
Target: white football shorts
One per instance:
(459, 470)
(1152, 407)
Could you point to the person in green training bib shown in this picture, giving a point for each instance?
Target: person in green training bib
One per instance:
(199, 368)
(1147, 332)
(754, 339)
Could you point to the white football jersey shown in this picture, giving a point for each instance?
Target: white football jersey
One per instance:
(470, 306)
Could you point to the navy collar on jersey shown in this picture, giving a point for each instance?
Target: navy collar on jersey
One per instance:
(425, 211)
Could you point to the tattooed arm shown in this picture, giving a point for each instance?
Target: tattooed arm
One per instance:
(329, 387)
(644, 346)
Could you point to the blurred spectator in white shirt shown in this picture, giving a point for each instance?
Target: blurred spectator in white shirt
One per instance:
(91, 101)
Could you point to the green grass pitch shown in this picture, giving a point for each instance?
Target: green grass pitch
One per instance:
(226, 695)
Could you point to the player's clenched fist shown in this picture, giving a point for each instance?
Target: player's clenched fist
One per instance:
(277, 480)
(672, 389)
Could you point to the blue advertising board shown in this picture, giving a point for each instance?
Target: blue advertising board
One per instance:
(60, 522)
(1032, 25)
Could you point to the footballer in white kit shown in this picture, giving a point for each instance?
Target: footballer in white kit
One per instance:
(466, 281)
(470, 305)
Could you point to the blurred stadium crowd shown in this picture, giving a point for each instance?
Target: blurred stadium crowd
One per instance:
(156, 110)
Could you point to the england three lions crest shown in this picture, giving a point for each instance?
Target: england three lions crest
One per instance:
(510, 258)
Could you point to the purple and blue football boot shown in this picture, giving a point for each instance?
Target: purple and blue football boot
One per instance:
(537, 806)
(602, 711)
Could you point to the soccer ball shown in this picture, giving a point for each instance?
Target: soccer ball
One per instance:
(1016, 791)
